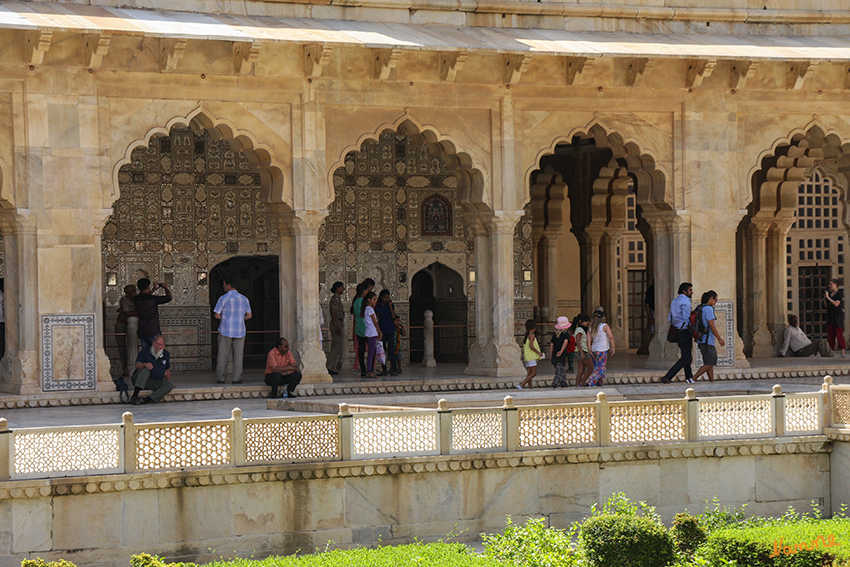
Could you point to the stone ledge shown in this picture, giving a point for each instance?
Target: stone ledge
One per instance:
(459, 384)
(39, 488)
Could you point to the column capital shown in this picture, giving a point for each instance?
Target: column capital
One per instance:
(301, 222)
(18, 221)
(495, 222)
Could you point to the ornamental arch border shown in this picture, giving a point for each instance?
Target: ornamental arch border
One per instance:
(472, 181)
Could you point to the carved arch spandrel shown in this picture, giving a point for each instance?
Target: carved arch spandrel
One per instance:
(644, 148)
(473, 182)
(788, 162)
(628, 159)
(272, 164)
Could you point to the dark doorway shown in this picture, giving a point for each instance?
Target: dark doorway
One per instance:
(258, 279)
(812, 281)
(440, 289)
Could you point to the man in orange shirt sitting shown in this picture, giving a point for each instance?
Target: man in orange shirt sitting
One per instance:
(281, 370)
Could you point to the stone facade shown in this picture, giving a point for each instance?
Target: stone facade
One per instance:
(705, 144)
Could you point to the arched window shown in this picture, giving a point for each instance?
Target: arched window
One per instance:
(436, 216)
(814, 252)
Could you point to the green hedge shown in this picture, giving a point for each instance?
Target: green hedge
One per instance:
(799, 544)
(626, 541)
(416, 555)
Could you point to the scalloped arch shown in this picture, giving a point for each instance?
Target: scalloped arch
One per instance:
(626, 152)
(809, 147)
(471, 180)
(260, 156)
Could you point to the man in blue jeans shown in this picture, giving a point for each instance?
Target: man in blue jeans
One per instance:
(680, 315)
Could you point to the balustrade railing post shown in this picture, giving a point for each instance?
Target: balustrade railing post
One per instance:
(6, 458)
(129, 442)
(826, 403)
(444, 427)
(691, 415)
(237, 443)
(344, 432)
(510, 425)
(428, 334)
(777, 412)
(603, 419)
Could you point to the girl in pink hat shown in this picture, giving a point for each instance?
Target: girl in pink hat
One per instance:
(558, 351)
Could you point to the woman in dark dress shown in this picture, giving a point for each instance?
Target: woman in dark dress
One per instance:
(386, 321)
(834, 315)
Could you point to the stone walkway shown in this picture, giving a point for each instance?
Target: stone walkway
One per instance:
(220, 409)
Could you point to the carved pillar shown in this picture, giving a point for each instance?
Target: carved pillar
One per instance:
(760, 339)
(308, 341)
(481, 356)
(661, 353)
(496, 352)
(20, 370)
(591, 283)
(547, 276)
(777, 285)
(609, 297)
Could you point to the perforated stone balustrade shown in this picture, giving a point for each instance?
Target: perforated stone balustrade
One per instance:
(128, 447)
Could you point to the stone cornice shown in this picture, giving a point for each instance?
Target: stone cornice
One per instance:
(23, 489)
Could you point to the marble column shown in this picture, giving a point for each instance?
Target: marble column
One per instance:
(481, 355)
(547, 275)
(760, 339)
(496, 353)
(20, 370)
(661, 353)
(288, 275)
(308, 341)
(610, 299)
(591, 263)
(777, 284)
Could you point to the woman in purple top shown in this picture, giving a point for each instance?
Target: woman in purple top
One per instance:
(386, 321)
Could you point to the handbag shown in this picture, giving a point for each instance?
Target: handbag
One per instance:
(672, 334)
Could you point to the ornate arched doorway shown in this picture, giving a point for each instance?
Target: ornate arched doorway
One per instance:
(188, 201)
(439, 288)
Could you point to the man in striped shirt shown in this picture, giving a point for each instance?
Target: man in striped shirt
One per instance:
(233, 309)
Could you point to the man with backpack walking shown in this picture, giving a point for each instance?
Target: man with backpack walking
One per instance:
(707, 334)
(680, 312)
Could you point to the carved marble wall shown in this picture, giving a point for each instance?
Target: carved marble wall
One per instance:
(395, 212)
(187, 203)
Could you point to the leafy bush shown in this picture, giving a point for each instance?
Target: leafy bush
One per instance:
(803, 542)
(145, 560)
(532, 545)
(625, 541)
(687, 533)
(39, 562)
(415, 555)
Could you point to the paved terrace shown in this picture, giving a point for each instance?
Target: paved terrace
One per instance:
(258, 407)
(623, 369)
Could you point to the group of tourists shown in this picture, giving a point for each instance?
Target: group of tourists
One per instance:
(377, 331)
(581, 346)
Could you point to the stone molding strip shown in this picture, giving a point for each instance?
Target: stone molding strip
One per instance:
(66, 399)
(24, 489)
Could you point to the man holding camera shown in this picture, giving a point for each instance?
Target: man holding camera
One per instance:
(147, 308)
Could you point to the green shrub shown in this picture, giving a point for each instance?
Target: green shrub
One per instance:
(687, 533)
(412, 555)
(532, 545)
(758, 546)
(625, 541)
(145, 560)
(39, 562)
